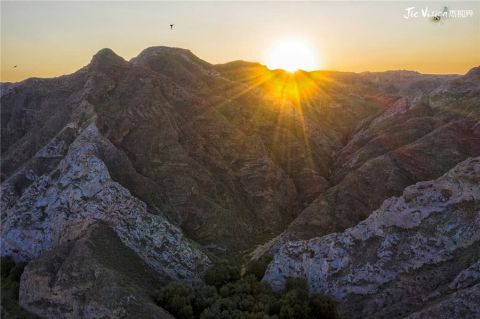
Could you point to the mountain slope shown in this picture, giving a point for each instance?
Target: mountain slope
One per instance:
(60, 206)
(417, 251)
(417, 138)
(93, 277)
(228, 161)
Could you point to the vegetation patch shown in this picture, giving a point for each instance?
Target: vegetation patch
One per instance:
(10, 284)
(227, 295)
(259, 267)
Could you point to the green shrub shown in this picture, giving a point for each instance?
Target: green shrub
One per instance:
(204, 298)
(177, 299)
(294, 304)
(232, 297)
(259, 267)
(222, 273)
(322, 307)
(10, 284)
(298, 284)
(7, 264)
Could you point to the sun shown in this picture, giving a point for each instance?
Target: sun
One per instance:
(291, 56)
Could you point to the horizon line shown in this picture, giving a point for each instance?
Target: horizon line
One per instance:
(233, 61)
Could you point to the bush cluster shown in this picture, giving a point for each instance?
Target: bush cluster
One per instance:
(229, 296)
(10, 283)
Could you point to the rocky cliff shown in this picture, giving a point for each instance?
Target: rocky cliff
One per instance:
(60, 206)
(417, 256)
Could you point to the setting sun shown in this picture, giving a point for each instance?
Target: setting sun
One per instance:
(292, 56)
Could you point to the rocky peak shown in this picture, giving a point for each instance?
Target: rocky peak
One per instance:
(106, 59)
(473, 74)
(157, 57)
(180, 65)
(163, 51)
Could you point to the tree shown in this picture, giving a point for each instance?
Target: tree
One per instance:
(204, 298)
(7, 264)
(222, 273)
(10, 284)
(177, 299)
(295, 283)
(231, 297)
(322, 307)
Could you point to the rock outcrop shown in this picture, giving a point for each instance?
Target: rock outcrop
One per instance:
(417, 255)
(59, 206)
(95, 276)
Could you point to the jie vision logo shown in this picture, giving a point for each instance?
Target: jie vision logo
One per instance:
(436, 15)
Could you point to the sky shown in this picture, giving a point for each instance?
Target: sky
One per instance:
(46, 39)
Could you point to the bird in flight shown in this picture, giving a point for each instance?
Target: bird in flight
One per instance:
(438, 17)
(171, 26)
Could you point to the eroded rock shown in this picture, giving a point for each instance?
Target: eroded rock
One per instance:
(414, 250)
(95, 276)
(60, 206)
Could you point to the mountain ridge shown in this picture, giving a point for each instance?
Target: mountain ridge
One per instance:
(187, 162)
(230, 63)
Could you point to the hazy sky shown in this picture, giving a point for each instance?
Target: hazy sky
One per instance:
(47, 39)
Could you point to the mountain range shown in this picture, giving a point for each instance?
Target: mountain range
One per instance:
(126, 175)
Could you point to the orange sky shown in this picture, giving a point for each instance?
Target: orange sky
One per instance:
(46, 39)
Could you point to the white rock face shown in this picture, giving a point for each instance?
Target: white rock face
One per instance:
(429, 234)
(58, 207)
